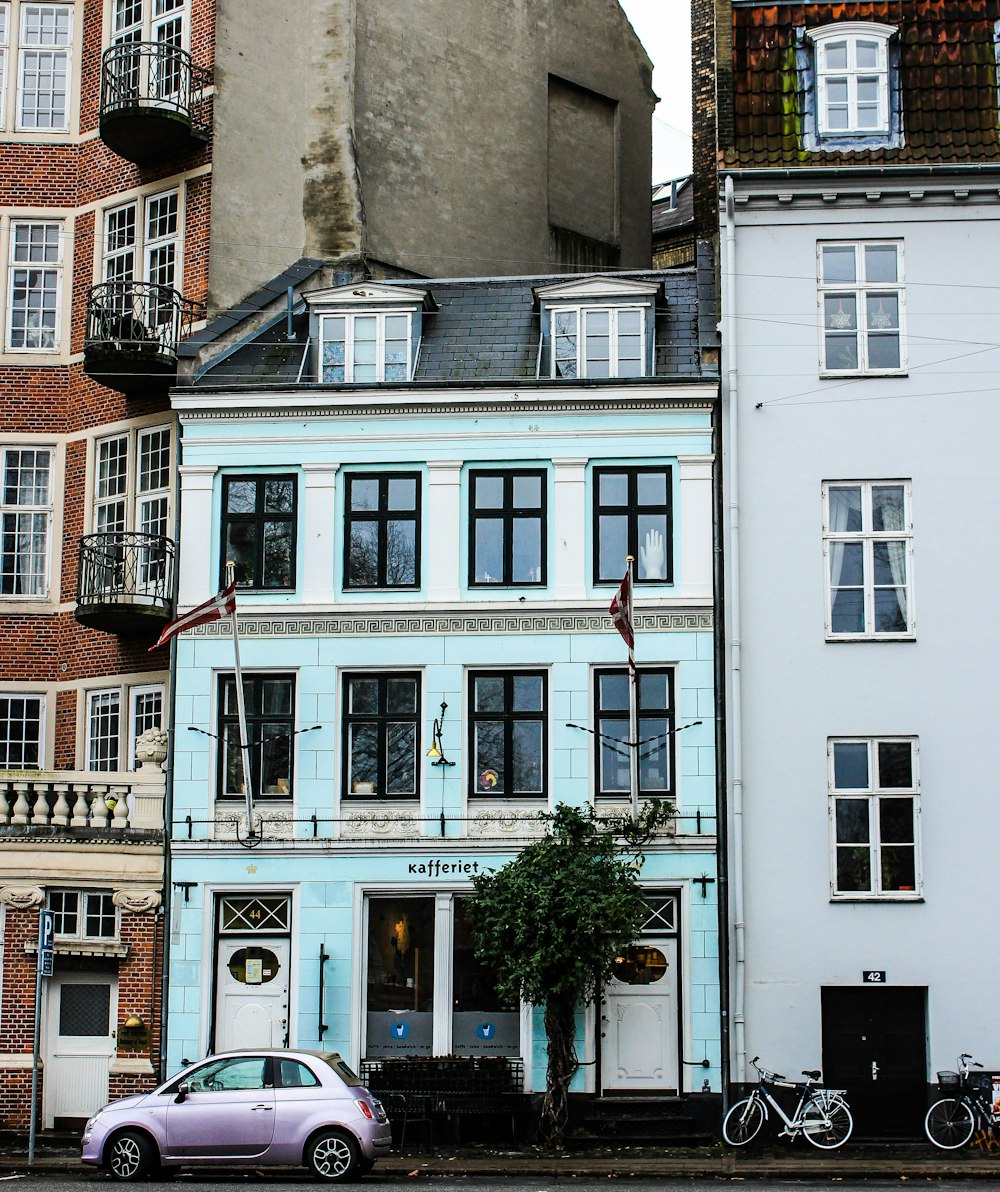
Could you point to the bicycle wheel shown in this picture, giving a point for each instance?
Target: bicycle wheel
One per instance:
(827, 1125)
(949, 1123)
(743, 1122)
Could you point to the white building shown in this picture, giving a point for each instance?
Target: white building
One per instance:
(860, 219)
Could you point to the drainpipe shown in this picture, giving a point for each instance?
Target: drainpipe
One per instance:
(168, 797)
(731, 400)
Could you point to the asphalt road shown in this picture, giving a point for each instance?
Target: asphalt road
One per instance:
(185, 1183)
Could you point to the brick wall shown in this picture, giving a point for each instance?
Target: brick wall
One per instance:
(712, 85)
(59, 399)
(140, 991)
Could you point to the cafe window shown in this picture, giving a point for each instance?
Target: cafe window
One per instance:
(404, 999)
(400, 976)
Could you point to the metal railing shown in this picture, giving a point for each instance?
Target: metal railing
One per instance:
(153, 75)
(126, 568)
(139, 316)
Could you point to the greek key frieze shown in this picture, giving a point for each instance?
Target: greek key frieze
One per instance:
(473, 623)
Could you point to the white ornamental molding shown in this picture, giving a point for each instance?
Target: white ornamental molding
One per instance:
(380, 824)
(430, 624)
(136, 902)
(267, 825)
(22, 898)
(503, 824)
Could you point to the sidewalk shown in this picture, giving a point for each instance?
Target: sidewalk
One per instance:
(862, 1160)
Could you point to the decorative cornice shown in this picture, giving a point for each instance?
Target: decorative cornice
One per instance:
(351, 624)
(206, 405)
(22, 898)
(136, 902)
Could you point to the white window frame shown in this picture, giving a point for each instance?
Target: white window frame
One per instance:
(63, 52)
(868, 538)
(133, 499)
(852, 35)
(39, 698)
(136, 693)
(863, 294)
(51, 282)
(32, 510)
(5, 39)
(582, 315)
(80, 914)
(137, 256)
(874, 794)
(350, 319)
(126, 696)
(112, 697)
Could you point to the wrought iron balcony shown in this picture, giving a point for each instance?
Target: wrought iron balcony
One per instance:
(126, 582)
(133, 329)
(152, 101)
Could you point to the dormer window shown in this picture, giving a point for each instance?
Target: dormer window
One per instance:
(597, 341)
(367, 333)
(852, 79)
(597, 327)
(365, 347)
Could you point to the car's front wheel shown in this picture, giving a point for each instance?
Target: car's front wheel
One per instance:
(334, 1156)
(129, 1156)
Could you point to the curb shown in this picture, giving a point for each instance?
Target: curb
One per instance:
(716, 1166)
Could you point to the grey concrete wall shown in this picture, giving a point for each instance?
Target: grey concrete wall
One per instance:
(447, 108)
(452, 129)
(284, 181)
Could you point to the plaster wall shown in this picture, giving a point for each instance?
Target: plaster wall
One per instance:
(453, 129)
(419, 135)
(284, 175)
(932, 427)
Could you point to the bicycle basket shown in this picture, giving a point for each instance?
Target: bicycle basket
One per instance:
(948, 1082)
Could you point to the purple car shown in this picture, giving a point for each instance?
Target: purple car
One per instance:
(262, 1108)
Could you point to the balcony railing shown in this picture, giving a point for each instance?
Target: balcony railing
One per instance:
(74, 800)
(126, 582)
(133, 329)
(152, 101)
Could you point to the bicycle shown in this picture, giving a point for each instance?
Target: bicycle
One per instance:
(822, 1115)
(950, 1122)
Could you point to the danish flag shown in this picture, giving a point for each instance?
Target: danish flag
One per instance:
(221, 605)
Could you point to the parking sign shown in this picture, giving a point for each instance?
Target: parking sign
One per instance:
(46, 942)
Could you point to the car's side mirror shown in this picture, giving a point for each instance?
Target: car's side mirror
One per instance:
(182, 1092)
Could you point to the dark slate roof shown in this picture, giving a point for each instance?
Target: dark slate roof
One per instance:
(667, 216)
(947, 82)
(483, 330)
(294, 275)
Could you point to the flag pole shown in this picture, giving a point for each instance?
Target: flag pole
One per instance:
(633, 701)
(241, 710)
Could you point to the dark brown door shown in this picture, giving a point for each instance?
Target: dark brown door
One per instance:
(874, 1046)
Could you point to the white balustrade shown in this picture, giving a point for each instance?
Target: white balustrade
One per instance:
(71, 800)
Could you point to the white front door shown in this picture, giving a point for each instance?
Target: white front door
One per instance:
(81, 1010)
(639, 1048)
(252, 995)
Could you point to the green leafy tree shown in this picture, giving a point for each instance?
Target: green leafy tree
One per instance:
(551, 922)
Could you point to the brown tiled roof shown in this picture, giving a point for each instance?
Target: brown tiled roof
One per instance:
(947, 76)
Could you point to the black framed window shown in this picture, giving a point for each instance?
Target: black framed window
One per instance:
(633, 516)
(508, 732)
(258, 531)
(381, 731)
(656, 722)
(382, 538)
(506, 528)
(270, 712)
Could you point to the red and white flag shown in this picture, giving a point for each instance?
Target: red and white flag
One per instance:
(621, 614)
(222, 605)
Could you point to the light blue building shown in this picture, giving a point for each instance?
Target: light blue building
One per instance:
(428, 490)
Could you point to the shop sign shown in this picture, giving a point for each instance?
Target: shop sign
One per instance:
(435, 867)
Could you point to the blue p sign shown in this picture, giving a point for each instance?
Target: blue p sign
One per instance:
(46, 929)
